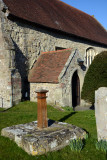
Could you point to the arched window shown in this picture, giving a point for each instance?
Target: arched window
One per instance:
(90, 54)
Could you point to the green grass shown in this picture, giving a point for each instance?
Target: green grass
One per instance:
(2, 109)
(27, 112)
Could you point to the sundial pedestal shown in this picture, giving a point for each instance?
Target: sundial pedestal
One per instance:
(42, 121)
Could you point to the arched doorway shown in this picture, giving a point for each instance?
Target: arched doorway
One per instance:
(75, 90)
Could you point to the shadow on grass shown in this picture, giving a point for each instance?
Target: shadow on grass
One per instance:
(67, 116)
(50, 122)
(92, 107)
(7, 109)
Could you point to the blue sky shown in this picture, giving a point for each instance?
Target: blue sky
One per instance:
(98, 8)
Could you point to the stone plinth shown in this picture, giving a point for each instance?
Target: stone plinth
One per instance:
(35, 141)
(101, 112)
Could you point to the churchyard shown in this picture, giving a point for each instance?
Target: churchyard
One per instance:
(27, 112)
(70, 61)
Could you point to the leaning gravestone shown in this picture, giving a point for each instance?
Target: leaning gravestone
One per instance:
(101, 112)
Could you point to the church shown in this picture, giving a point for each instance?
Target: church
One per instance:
(46, 44)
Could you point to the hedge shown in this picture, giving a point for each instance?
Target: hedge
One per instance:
(95, 77)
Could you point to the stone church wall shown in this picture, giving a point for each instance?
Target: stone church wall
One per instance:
(54, 96)
(10, 82)
(5, 84)
(30, 40)
(10, 93)
(65, 77)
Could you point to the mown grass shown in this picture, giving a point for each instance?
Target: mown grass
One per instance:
(2, 109)
(27, 112)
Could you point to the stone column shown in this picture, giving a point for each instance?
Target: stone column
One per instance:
(90, 57)
(41, 109)
(87, 58)
(101, 112)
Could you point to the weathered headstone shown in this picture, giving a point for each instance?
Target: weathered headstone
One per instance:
(101, 112)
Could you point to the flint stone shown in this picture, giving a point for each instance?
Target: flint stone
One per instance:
(36, 141)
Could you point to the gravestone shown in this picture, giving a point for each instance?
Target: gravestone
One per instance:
(101, 112)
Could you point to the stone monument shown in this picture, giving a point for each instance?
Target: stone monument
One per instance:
(41, 136)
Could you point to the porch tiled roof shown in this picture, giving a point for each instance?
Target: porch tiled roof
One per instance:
(48, 66)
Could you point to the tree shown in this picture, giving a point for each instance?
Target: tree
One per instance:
(96, 77)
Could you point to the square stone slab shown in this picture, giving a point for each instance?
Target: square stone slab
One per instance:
(36, 141)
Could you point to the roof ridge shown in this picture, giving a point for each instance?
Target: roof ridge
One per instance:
(100, 24)
(75, 8)
(62, 50)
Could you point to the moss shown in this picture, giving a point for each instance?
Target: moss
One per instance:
(96, 77)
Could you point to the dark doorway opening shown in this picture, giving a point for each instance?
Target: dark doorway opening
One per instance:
(25, 89)
(75, 90)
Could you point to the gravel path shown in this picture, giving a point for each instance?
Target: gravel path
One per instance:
(79, 108)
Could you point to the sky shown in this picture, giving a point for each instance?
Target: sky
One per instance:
(98, 8)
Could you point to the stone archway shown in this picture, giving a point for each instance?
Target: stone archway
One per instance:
(75, 90)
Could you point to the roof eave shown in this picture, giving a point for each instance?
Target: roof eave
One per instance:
(50, 28)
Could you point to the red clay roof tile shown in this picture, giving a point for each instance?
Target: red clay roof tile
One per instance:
(48, 66)
(60, 16)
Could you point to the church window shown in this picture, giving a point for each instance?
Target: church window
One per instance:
(90, 54)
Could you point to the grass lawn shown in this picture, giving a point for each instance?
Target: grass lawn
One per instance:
(27, 112)
(2, 109)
